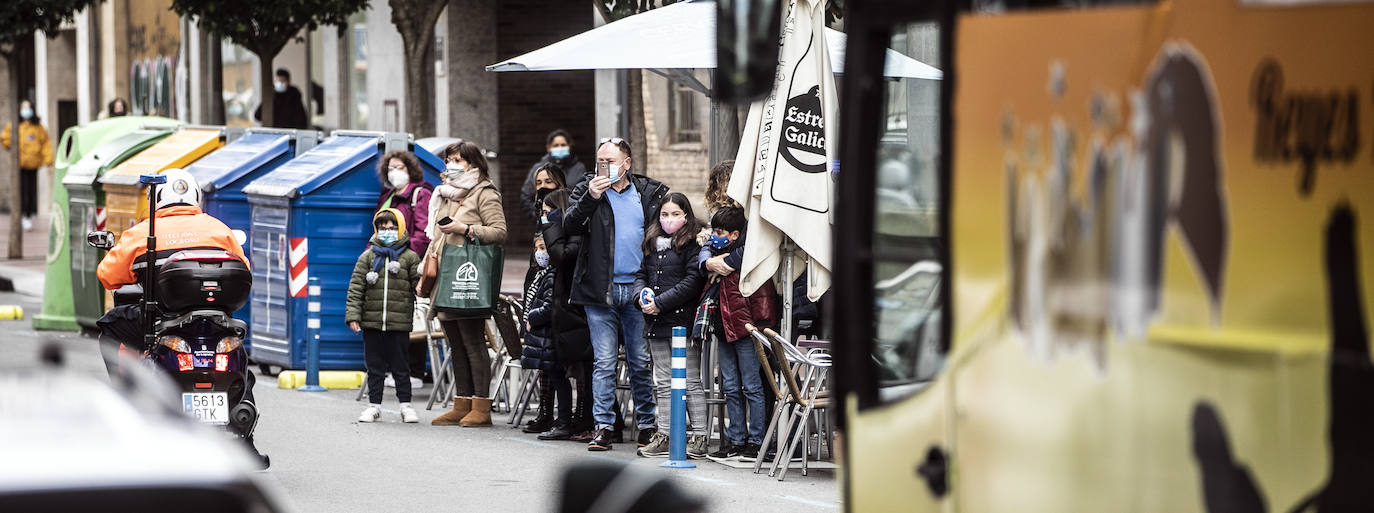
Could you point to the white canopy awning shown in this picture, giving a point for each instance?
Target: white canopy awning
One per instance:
(677, 36)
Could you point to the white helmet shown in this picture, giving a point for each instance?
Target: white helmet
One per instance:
(181, 189)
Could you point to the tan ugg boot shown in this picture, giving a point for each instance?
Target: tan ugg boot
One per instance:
(480, 414)
(461, 407)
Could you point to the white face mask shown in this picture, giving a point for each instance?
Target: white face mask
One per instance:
(454, 169)
(279, 86)
(398, 178)
(614, 173)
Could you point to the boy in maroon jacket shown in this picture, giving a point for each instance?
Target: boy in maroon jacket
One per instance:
(739, 363)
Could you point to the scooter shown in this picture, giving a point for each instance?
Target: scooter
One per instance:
(189, 330)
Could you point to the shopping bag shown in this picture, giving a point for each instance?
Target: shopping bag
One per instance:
(469, 279)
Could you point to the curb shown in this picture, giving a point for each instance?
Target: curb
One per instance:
(21, 281)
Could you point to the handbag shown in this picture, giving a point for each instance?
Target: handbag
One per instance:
(430, 275)
(469, 279)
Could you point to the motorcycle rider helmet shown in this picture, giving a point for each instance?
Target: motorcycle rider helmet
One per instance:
(181, 189)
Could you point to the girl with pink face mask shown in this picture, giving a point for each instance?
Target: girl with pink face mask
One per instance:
(669, 283)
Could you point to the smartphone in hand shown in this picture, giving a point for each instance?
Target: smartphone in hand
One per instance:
(445, 221)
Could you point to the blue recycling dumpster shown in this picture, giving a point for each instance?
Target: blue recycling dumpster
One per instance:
(312, 217)
(224, 174)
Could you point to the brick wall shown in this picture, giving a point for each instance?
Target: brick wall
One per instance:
(531, 104)
(683, 167)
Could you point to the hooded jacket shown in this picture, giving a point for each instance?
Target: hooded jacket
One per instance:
(412, 201)
(388, 302)
(34, 148)
(594, 220)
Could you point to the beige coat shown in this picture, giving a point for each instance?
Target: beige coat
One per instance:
(481, 208)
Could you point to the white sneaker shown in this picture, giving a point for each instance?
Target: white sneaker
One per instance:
(28, 224)
(408, 415)
(371, 414)
(416, 383)
(389, 382)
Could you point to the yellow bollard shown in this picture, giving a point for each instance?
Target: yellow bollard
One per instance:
(11, 313)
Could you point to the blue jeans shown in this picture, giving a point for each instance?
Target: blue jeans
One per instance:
(739, 365)
(607, 324)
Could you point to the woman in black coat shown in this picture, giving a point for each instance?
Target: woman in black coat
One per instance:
(572, 339)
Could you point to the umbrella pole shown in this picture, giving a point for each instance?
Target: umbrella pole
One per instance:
(786, 328)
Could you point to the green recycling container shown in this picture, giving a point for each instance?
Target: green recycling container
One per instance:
(87, 200)
(77, 142)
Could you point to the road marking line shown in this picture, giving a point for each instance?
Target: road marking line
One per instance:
(810, 502)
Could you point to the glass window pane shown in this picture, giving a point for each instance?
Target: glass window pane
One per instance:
(907, 272)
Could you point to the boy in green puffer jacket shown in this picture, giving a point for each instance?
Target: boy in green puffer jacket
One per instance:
(381, 304)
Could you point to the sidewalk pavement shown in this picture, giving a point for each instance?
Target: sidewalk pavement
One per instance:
(26, 274)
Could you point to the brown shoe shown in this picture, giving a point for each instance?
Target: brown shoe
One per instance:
(480, 414)
(461, 407)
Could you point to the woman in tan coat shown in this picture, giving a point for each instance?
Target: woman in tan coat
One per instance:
(473, 204)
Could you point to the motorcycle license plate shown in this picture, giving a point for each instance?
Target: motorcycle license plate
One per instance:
(207, 407)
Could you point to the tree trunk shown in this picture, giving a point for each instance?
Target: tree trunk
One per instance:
(415, 21)
(216, 96)
(16, 250)
(419, 81)
(265, 84)
(639, 144)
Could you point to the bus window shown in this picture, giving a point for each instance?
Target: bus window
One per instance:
(908, 350)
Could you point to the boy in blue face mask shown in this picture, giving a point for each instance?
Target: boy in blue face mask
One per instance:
(381, 305)
(728, 311)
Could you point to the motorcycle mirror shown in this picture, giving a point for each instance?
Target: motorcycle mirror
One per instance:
(747, 33)
(241, 237)
(100, 239)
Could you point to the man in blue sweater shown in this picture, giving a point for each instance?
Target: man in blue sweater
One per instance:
(610, 212)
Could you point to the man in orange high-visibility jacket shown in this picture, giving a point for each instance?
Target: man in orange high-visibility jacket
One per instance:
(180, 226)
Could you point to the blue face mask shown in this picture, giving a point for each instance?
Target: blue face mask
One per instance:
(541, 258)
(387, 237)
(718, 242)
(544, 219)
(26, 113)
(559, 152)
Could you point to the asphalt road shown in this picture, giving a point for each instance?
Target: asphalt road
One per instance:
(327, 462)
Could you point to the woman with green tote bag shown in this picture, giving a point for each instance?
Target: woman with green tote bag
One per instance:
(467, 227)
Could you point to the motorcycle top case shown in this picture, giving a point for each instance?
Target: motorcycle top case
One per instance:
(201, 279)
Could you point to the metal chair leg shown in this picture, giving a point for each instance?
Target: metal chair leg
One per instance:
(768, 436)
(787, 463)
(443, 377)
(523, 397)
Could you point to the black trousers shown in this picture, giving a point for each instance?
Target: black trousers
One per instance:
(28, 192)
(416, 353)
(385, 351)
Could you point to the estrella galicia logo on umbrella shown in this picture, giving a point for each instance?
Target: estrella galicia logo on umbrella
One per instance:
(803, 132)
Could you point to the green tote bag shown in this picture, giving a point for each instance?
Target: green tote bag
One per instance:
(469, 281)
